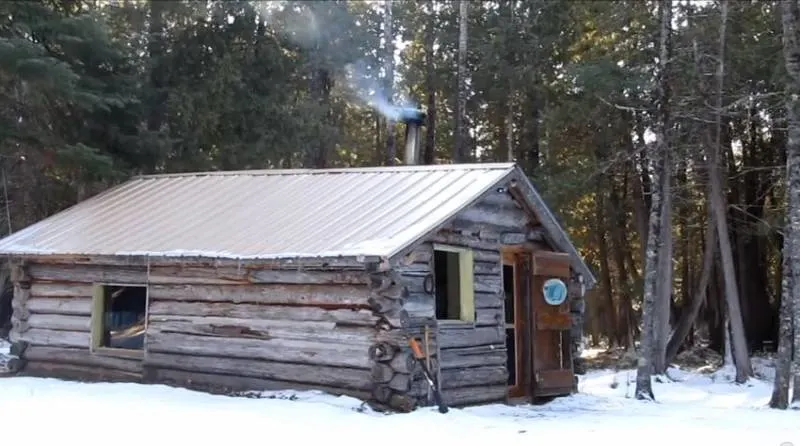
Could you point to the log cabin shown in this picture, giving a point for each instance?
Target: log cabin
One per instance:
(307, 279)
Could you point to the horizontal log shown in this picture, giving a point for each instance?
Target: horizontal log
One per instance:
(499, 199)
(216, 383)
(489, 284)
(80, 306)
(265, 329)
(416, 268)
(81, 357)
(59, 322)
(470, 337)
(465, 396)
(279, 350)
(458, 239)
(154, 261)
(46, 369)
(493, 316)
(484, 255)
(473, 376)
(62, 289)
(333, 295)
(473, 357)
(488, 300)
(176, 274)
(56, 338)
(422, 253)
(488, 268)
(342, 317)
(500, 216)
(273, 276)
(339, 377)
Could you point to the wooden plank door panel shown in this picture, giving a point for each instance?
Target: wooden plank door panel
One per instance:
(552, 362)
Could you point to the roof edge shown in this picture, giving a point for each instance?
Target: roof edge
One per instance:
(134, 259)
(343, 170)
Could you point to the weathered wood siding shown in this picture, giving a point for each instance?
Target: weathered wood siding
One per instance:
(470, 357)
(218, 329)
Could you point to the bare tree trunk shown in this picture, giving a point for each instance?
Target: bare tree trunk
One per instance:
(790, 294)
(665, 270)
(460, 146)
(689, 315)
(654, 248)
(430, 85)
(739, 351)
(511, 61)
(783, 360)
(388, 35)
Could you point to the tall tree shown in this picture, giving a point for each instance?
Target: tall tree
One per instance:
(790, 296)
(388, 37)
(460, 147)
(741, 358)
(655, 242)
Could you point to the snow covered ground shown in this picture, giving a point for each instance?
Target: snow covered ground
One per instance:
(694, 409)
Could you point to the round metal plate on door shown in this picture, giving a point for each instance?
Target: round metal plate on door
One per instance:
(555, 291)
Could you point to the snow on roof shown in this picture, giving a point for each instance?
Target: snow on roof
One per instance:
(263, 214)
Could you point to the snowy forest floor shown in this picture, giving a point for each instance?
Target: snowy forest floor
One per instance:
(695, 406)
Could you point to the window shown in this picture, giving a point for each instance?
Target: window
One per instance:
(453, 282)
(118, 317)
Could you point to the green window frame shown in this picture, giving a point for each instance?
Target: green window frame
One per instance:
(465, 272)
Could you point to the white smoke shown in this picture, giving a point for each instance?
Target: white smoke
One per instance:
(306, 29)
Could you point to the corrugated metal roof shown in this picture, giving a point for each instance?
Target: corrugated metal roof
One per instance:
(263, 214)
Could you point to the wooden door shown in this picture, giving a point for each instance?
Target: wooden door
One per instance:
(515, 271)
(552, 353)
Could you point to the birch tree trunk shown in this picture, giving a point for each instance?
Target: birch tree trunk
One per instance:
(654, 247)
(790, 292)
(460, 146)
(739, 350)
(388, 34)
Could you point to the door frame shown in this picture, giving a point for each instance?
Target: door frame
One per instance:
(517, 256)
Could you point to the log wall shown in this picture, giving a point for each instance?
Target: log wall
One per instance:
(471, 357)
(216, 329)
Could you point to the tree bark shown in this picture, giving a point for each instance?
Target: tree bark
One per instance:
(790, 295)
(430, 86)
(739, 352)
(689, 315)
(388, 34)
(665, 270)
(607, 309)
(654, 247)
(460, 146)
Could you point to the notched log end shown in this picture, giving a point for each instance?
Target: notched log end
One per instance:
(18, 348)
(382, 351)
(15, 365)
